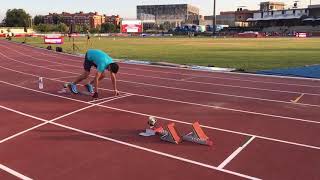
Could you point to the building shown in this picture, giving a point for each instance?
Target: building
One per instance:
(287, 21)
(93, 20)
(114, 19)
(224, 18)
(287, 17)
(241, 16)
(232, 18)
(175, 14)
(272, 17)
(314, 11)
(271, 6)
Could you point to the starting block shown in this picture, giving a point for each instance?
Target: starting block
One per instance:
(197, 135)
(171, 134)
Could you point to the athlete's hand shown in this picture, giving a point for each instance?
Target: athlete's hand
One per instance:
(116, 92)
(95, 95)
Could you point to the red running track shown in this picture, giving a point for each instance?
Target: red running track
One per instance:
(258, 132)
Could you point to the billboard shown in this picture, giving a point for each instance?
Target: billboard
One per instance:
(301, 35)
(53, 39)
(131, 26)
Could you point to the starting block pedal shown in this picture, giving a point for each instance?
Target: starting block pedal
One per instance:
(197, 135)
(159, 130)
(171, 134)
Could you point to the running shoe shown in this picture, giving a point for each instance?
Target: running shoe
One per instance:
(89, 88)
(73, 88)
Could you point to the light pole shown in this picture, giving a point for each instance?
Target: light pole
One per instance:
(214, 20)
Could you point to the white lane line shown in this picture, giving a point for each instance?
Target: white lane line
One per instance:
(46, 121)
(187, 74)
(55, 65)
(215, 84)
(232, 86)
(173, 120)
(223, 78)
(275, 101)
(188, 80)
(219, 129)
(103, 99)
(65, 77)
(65, 55)
(185, 79)
(196, 104)
(297, 99)
(160, 153)
(235, 153)
(213, 93)
(93, 101)
(214, 107)
(13, 172)
(135, 146)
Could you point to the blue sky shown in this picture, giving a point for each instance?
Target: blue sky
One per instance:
(125, 8)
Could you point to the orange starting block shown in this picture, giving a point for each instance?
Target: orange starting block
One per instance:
(170, 134)
(197, 135)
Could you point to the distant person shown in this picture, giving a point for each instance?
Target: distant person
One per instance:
(69, 35)
(101, 61)
(88, 37)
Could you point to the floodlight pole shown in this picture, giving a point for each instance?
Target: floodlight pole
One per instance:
(214, 20)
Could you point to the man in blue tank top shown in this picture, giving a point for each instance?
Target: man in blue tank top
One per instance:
(102, 62)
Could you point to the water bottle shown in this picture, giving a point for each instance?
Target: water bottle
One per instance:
(40, 83)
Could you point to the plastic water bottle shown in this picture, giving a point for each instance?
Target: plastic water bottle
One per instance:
(40, 83)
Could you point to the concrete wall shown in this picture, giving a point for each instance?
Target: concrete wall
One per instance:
(14, 30)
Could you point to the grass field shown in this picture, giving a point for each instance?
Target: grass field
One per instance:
(246, 54)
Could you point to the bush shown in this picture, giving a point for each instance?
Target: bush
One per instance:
(62, 28)
(108, 28)
(94, 30)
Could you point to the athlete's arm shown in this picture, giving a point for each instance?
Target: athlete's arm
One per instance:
(96, 81)
(114, 83)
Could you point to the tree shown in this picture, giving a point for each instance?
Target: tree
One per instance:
(85, 28)
(63, 28)
(95, 30)
(82, 28)
(38, 19)
(57, 19)
(17, 18)
(42, 28)
(108, 28)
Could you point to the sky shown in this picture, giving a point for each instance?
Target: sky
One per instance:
(125, 8)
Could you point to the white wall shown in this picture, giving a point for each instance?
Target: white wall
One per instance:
(14, 30)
